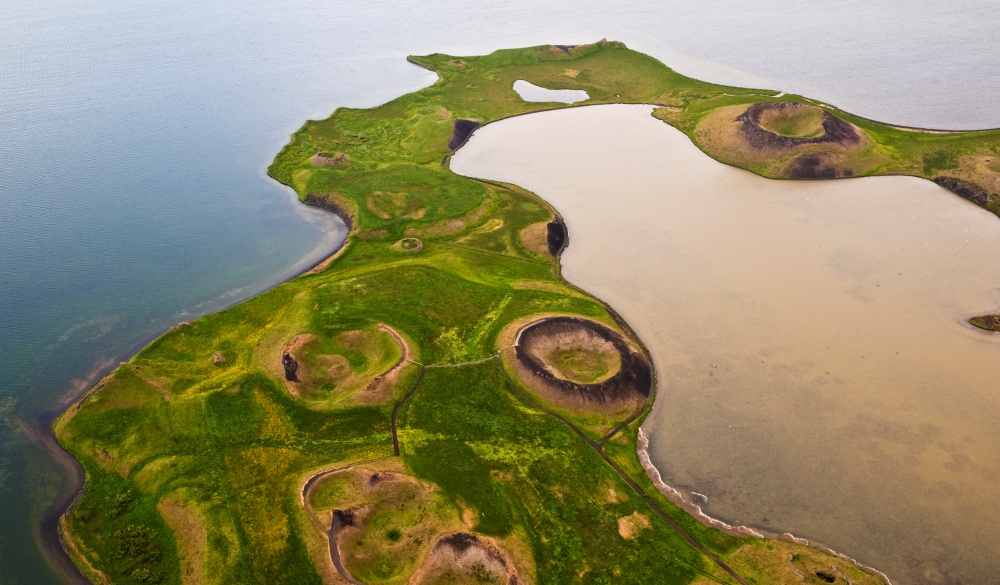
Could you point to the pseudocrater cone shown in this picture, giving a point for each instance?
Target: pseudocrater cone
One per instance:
(580, 364)
(794, 120)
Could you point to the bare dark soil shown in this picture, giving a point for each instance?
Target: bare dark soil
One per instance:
(964, 189)
(633, 380)
(325, 203)
(835, 130)
(460, 541)
(291, 367)
(461, 132)
(817, 166)
(556, 236)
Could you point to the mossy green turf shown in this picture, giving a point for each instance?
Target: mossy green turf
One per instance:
(229, 440)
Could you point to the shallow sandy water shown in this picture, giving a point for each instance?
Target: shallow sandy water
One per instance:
(816, 373)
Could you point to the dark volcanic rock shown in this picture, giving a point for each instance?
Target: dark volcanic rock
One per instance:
(965, 189)
(634, 378)
(291, 367)
(835, 130)
(556, 236)
(815, 166)
(344, 517)
(460, 541)
(461, 131)
(325, 203)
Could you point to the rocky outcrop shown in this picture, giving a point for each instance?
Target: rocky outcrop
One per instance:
(965, 189)
(817, 166)
(556, 236)
(461, 132)
(291, 367)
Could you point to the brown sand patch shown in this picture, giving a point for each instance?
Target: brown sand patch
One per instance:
(462, 558)
(371, 234)
(325, 159)
(571, 72)
(535, 238)
(328, 260)
(191, 536)
(607, 494)
(630, 526)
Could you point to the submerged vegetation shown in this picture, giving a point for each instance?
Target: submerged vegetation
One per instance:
(378, 400)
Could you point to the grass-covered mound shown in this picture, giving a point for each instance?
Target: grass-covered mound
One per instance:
(210, 455)
(987, 322)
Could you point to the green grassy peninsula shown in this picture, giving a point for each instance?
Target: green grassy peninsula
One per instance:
(434, 403)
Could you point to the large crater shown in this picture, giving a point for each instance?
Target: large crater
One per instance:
(582, 360)
(786, 125)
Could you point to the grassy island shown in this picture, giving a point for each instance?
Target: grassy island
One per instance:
(434, 403)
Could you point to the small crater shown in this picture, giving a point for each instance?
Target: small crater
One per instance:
(408, 245)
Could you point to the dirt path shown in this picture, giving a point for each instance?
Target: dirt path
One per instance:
(331, 536)
(599, 448)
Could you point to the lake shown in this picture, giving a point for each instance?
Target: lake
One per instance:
(134, 139)
(816, 374)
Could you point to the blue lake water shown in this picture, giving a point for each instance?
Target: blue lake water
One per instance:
(134, 139)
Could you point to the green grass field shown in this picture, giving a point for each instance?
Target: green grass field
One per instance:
(195, 464)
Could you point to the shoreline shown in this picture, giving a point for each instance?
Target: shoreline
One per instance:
(674, 495)
(740, 530)
(51, 526)
(341, 246)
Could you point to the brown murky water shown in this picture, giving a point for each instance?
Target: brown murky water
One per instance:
(816, 373)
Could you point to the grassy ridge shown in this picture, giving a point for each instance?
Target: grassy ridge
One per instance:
(196, 449)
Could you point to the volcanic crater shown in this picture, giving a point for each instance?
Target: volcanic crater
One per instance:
(581, 361)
